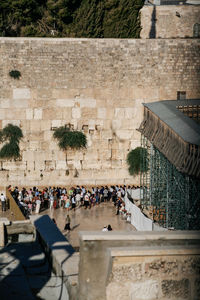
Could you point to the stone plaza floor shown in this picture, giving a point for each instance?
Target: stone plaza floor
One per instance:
(93, 219)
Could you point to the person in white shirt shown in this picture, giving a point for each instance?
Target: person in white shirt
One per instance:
(78, 199)
(105, 228)
(3, 202)
(38, 203)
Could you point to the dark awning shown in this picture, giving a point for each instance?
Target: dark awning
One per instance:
(173, 133)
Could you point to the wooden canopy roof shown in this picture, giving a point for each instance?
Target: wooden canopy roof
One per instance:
(170, 126)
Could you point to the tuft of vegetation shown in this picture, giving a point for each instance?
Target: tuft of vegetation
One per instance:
(71, 18)
(15, 74)
(13, 135)
(135, 160)
(68, 138)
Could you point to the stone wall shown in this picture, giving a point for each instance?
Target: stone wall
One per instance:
(169, 21)
(155, 273)
(96, 85)
(139, 265)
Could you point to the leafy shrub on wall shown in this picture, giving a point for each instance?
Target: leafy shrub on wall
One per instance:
(135, 160)
(10, 136)
(15, 74)
(68, 138)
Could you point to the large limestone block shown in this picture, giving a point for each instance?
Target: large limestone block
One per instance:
(65, 102)
(40, 165)
(5, 103)
(54, 114)
(86, 102)
(16, 114)
(61, 164)
(56, 123)
(130, 112)
(101, 113)
(21, 94)
(100, 144)
(106, 134)
(50, 165)
(37, 113)
(29, 113)
(13, 122)
(104, 154)
(116, 164)
(123, 145)
(145, 290)
(45, 125)
(119, 113)
(23, 103)
(129, 124)
(117, 154)
(14, 165)
(91, 164)
(48, 135)
(134, 144)
(116, 124)
(2, 113)
(124, 134)
(106, 164)
(34, 145)
(35, 125)
(40, 156)
(76, 113)
(58, 155)
(66, 115)
(28, 155)
(87, 113)
(90, 155)
(30, 166)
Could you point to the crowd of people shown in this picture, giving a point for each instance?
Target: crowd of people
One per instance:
(33, 200)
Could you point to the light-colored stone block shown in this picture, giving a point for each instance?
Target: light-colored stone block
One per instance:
(76, 113)
(86, 102)
(101, 113)
(4, 103)
(29, 113)
(61, 165)
(124, 134)
(116, 124)
(37, 113)
(146, 290)
(56, 123)
(21, 93)
(23, 103)
(65, 102)
(13, 122)
(106, 134)
(119, 113)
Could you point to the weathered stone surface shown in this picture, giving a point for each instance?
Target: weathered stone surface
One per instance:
(98, 86)
(21, 93)
(176, 288)
(166, 17)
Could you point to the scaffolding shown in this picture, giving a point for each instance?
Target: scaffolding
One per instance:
(173, 197)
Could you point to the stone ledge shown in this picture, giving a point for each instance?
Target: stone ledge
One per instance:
(154, 251)
(61, 254)
(139, 236)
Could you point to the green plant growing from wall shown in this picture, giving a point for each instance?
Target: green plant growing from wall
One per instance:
(15, 74)
(68, 138)
(10, 136)
(134, 160)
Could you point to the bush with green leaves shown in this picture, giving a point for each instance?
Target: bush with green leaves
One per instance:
(71, 18)
(137, 160)
(68, 138)
(10, 136)
(15, 74)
